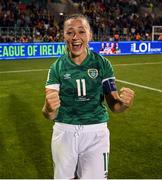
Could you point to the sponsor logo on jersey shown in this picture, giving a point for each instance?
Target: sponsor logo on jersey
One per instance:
(93, 73)
(82, 99)
(67, 76)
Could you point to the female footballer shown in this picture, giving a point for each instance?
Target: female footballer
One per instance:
(76, 86)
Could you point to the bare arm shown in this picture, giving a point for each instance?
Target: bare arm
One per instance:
(119, 102)
(52, 103)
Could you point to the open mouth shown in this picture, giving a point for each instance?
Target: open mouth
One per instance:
(76, 46)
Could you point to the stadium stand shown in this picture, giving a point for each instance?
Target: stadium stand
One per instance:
(42, 21)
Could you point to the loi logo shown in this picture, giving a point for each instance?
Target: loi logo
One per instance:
(142, 47)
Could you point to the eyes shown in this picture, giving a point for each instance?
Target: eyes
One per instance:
(72, 33)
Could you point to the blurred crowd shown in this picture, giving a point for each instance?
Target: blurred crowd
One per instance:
(122, 19)
(110, 20)
(27, 22)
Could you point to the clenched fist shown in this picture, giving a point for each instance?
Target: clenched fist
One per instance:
(126, 96)
(52, 103)
(118, 102)
(52, 100)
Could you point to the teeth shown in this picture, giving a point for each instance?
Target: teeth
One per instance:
(76, 44)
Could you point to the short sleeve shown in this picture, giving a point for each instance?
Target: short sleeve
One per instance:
(53, 78)
(108, 80)
(108, 72)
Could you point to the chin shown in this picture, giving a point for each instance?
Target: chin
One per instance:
(76, 53)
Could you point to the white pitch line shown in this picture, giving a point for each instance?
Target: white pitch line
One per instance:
(118, 80)
(21, 71)
(35, 70)
(139, 85)
(137, 64)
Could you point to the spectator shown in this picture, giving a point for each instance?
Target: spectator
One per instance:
(160, 38)
(138, 37)
(116, 36)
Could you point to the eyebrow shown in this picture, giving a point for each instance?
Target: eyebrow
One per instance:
(80, 27)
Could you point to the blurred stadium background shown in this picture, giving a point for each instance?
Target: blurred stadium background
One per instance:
(136, 135)
(33, 20)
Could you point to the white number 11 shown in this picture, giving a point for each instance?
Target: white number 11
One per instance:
(81, 85)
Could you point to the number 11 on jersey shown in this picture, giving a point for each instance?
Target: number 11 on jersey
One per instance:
(81, 87)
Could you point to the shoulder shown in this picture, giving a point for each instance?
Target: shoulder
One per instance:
(100, 59)
(58, 62)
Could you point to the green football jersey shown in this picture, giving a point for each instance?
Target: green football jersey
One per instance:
(80, 89)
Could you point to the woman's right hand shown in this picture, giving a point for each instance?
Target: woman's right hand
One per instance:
(52, 103)
(52, 100)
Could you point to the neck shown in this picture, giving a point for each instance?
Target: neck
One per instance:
(79, 59)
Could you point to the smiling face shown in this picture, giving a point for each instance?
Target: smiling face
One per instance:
(77, 34)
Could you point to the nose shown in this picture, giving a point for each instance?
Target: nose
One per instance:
(75, 36)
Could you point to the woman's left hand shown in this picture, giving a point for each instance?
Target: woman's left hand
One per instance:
(126, 96)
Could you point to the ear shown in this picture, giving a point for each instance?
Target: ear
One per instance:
(90, 35)
(65, 41)
(64, 37)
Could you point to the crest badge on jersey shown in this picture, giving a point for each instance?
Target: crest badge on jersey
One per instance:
(93, 73)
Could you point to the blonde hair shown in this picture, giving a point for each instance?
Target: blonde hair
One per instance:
(77, 16)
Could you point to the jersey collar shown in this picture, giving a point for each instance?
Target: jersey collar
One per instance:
(84, 61)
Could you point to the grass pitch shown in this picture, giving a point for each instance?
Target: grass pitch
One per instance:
(25, 135)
